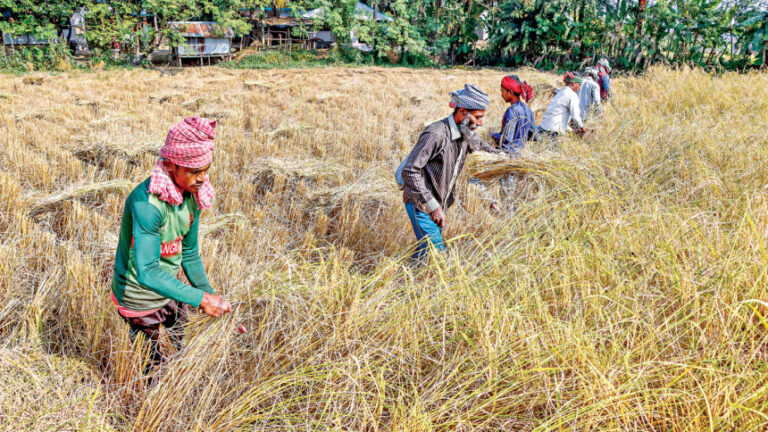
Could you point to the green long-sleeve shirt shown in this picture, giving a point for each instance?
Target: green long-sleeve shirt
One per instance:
(156, 238)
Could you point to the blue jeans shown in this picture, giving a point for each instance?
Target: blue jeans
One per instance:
(426, 230)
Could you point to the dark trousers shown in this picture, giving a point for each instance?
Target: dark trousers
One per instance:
(549, 137)
(172, 317)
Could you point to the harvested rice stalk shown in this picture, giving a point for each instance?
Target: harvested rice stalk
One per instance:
(94, 103)
(251, 85)
(98, 151)
(47, 390)
(544, 90)
(367, 189)
(33, 80)
(217, 113)
(289, 129)
(296, 168)
(488, 166)
(110, 119)
(193, 103)
(164, 98)
(323, 97)
(219, 222)
(36, 114)
(80, 192)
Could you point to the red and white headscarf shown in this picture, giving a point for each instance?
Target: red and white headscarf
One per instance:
(515, 85)
(189, 144)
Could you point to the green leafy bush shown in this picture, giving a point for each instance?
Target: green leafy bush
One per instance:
(27, 59)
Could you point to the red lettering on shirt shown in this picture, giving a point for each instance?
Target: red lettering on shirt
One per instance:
(170, 249)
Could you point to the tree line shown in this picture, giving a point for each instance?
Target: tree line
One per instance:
(722, 34)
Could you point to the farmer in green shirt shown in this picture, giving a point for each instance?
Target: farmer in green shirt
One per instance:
(159, 234)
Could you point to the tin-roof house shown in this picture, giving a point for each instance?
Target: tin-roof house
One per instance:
(203, 40)
(276, 28)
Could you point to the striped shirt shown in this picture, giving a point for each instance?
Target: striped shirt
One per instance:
(431, 170)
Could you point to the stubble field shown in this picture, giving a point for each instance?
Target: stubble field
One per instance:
(626, 292)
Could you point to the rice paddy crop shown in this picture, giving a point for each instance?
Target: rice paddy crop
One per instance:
(625, 292)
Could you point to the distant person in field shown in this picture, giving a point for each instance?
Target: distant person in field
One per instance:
(589, 94)
(564, 109)
(159, 234)
(517, 127)
(604, 78)
(429, 174)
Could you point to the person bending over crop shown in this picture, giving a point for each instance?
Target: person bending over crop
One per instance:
(159, 234)
(517, 127)
(589, 95)
(429, 173)
(564, 108)
(604, 78)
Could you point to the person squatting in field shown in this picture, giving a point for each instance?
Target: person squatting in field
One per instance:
(604, 78)
(429, 173)
(589, 95)
(564, 109)
(517, 127)
(159, 234)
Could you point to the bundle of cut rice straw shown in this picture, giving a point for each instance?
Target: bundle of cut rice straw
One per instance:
(221, 221)
(368, 189)
(308, 168)
(489, 166)
(78, 192)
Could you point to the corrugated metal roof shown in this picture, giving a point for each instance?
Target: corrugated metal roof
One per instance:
(202, 29)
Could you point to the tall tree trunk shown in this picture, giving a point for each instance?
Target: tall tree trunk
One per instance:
(375, 25)
(640, 13)
(712, 52)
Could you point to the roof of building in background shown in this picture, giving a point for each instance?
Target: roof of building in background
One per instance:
(282, 12)
(284, 21)
(204, 29)
(362, 12)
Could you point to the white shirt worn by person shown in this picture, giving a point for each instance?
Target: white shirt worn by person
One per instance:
(589, 97)
(563, 108)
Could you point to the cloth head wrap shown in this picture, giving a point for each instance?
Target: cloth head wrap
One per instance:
(513, 84)
(470, 97)
(189, 144)
(572, 78)
(591, 72)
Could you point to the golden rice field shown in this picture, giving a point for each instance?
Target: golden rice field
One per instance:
(627, 292)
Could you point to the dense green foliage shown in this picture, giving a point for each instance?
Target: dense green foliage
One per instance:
(723, 34)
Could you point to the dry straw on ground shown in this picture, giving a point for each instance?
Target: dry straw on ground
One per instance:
(626, 292)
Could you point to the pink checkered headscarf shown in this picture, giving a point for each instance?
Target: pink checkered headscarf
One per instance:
(189, 144)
